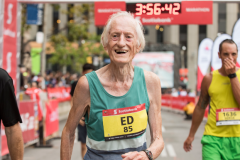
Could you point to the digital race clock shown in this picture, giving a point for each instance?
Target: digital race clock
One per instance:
(154, 8)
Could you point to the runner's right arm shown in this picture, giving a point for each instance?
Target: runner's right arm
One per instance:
(198, 112)
(15, 141)
(81, 101)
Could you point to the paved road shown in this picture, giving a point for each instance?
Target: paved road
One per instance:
(175, 130)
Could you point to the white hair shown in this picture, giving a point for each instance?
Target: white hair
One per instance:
(138, 24)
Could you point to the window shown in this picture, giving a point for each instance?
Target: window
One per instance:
(202, 32)
(222, 17)
(145, 30)
(70, 18)
(56, 20)
(183, 43)
(160, 34)
(99, 30)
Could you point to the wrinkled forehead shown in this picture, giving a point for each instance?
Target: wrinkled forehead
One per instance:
(123, 24)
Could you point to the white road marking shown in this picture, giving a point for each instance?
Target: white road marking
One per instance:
(164, 153)
(171, 151)
(163, 129)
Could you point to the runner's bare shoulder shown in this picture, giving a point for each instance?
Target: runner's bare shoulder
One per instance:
(83, 84)
(82, 91)
(152, 80)
(207, 79)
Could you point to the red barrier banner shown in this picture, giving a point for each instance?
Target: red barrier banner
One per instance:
(60, 93)
(176, 102)
(103, 10)
(29, 116)
(34, 95)
(167, 100)
(29, 126)
(9, 59)
(52, 119)
(179, 102)
(4, 150)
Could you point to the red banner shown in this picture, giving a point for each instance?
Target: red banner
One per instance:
(60, 93)
(52, 119)
(176, 102)
(9, 62)
(29, 126)
(104, 9)
(34, 95)
(167, 100)
(192, 12)
(29, 116)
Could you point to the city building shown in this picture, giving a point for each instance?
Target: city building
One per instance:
(187, 37)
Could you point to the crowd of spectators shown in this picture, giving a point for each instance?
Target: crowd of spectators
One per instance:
(175, 92)
(58, 79)
(49, 79)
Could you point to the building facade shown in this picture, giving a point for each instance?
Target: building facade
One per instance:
(187, 37)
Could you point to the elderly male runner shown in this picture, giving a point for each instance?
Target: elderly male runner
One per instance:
(117, 100)
(221, 139)
(10, 116)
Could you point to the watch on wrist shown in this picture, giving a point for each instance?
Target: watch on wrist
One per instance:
(149, 154)
(232, 75)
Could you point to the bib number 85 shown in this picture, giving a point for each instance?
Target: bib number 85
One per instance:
(128, 129)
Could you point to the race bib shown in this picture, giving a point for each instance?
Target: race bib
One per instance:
(227, 116)
(124, 123)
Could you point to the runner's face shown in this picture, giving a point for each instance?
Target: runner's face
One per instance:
(228, 51)
(122, 41)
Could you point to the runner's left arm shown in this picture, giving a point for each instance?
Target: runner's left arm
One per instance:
(81, 100)
(154, 114)
(155, 120)
(230, 68)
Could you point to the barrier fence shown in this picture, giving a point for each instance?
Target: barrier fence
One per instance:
(36, 110)
(178, 103)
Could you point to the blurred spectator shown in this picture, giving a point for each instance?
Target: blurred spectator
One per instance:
(192, 93)
(188, 110)
(41, 82)
(174, 92)
(22, 70)
(183, 92)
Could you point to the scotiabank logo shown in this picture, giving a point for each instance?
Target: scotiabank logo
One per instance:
(156, 20)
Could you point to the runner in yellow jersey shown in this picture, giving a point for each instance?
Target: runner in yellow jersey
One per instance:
(221, 90)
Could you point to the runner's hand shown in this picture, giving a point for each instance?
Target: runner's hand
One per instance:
(135, 156)
(82, 121)
(187, 146)
(230, 66)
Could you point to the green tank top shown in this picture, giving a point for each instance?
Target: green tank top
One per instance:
(102, 100)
